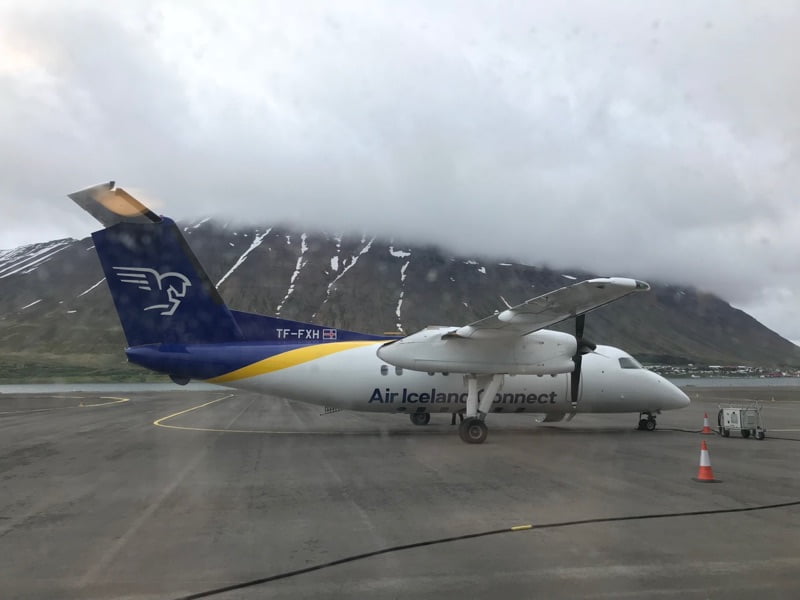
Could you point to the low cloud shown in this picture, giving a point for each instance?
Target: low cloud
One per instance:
(652, 140)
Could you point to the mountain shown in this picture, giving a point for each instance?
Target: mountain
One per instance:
(56, 312)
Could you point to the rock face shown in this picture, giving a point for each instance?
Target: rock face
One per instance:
(54, 302)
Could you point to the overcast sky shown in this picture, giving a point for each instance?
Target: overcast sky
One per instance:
(652, 139)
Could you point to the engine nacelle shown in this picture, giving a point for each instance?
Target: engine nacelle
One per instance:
(542, 352)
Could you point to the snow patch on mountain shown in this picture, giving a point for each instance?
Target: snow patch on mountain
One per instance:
(83, 293)
(190, 228)
(297, 268)
(402, 293)
(347, 265)
(27, 259)
(335, 259)
(255, 244)
(399, 253)
(31, 304)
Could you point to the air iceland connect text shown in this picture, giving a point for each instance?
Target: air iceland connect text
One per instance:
(434, 397)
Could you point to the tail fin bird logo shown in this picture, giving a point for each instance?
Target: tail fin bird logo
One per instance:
(172, 283)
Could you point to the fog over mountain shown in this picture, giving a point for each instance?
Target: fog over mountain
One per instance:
(656, 140)
(55, 307)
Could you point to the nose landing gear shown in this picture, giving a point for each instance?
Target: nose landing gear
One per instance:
(647, 421)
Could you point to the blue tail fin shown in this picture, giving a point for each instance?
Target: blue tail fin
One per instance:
(163, 295)
(160, 290)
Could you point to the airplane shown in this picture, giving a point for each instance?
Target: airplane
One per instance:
(175, 322)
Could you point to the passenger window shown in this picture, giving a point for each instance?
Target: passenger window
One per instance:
(384, 369)
(398, 370)
(626, 362)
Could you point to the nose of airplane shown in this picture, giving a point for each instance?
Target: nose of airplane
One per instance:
(675, 398)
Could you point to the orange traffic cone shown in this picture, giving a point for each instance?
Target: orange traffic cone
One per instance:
(705, 474)
(706, 428)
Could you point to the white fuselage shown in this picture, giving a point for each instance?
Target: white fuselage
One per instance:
(356, 379)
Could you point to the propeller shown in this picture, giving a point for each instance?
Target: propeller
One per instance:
(585, 346)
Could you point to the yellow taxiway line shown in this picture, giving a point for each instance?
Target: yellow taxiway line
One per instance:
(160, 422)
(114, 400)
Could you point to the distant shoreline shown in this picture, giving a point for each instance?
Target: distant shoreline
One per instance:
(737, 382)
(785, 384)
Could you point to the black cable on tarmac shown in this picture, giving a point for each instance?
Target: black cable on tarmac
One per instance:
(469, 536)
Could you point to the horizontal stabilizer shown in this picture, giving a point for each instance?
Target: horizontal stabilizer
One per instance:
(111, 205)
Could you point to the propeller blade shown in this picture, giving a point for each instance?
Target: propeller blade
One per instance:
(575, 378)
(584, 346)
(580, 322)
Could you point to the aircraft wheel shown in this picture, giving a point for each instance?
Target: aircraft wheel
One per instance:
(650, 424)
(473, 431)
(420, 418)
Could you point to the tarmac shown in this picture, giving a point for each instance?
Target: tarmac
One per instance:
(179, 494)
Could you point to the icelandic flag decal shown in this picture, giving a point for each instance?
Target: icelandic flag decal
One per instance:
(328, 334)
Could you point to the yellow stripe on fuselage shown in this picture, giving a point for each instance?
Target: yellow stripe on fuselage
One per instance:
(288, 359)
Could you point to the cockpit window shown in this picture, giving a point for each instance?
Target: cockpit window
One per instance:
(626, 362)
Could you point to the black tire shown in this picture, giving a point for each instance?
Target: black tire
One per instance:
(642, 424)
(760, 435)
(420, 418)
(726, 433)
(650, 425)
(473, 431)
(745, 433)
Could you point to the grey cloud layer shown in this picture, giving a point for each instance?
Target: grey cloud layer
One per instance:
(637, 139)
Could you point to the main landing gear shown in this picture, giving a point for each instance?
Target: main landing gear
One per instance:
(647, 421)
(420, 418)
(472, 429)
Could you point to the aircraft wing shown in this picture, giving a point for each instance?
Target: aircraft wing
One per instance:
(550, 308)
